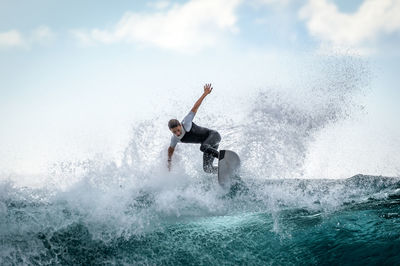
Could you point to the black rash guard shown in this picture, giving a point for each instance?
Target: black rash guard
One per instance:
(208, 138)
(196, 134)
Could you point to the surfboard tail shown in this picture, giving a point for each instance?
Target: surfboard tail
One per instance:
(228, 167)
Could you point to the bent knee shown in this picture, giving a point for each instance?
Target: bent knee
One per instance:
(204, 147)
(216, 137)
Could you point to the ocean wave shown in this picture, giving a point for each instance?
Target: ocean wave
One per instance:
(197, 223)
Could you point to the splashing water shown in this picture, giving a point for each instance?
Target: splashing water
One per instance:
(136, 212)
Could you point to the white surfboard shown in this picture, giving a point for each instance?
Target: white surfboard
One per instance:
(228, 167)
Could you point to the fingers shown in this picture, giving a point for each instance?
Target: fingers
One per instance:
(208, 87)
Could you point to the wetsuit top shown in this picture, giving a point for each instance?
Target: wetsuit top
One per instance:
(191, 133)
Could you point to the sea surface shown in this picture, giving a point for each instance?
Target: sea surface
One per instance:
(355, 221)
(133, 211)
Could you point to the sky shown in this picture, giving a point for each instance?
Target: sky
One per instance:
(75, 75)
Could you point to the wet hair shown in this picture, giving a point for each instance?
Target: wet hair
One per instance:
(173, 123)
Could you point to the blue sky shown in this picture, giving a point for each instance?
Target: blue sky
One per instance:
(76, 74)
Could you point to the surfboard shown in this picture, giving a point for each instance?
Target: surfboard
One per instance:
(228, 168)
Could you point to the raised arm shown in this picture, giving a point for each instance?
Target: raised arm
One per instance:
(207, 90)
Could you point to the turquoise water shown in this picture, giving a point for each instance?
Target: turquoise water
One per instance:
(134, 212)
(274, 222)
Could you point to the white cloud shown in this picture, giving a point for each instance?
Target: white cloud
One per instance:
(162, 4)
(14, 39)
(276, 3)
(185, 28)
(82, 36)
(42, 35)
(359, 30)
(11, 39)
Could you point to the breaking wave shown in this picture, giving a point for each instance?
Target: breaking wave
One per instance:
(136, 212)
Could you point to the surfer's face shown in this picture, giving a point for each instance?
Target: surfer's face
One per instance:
(177, 131)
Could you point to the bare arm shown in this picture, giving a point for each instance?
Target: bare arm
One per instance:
(207, 90)
(170, 152)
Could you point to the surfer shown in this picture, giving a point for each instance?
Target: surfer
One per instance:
(188, 132)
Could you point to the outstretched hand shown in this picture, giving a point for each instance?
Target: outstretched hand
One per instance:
(207, 89)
